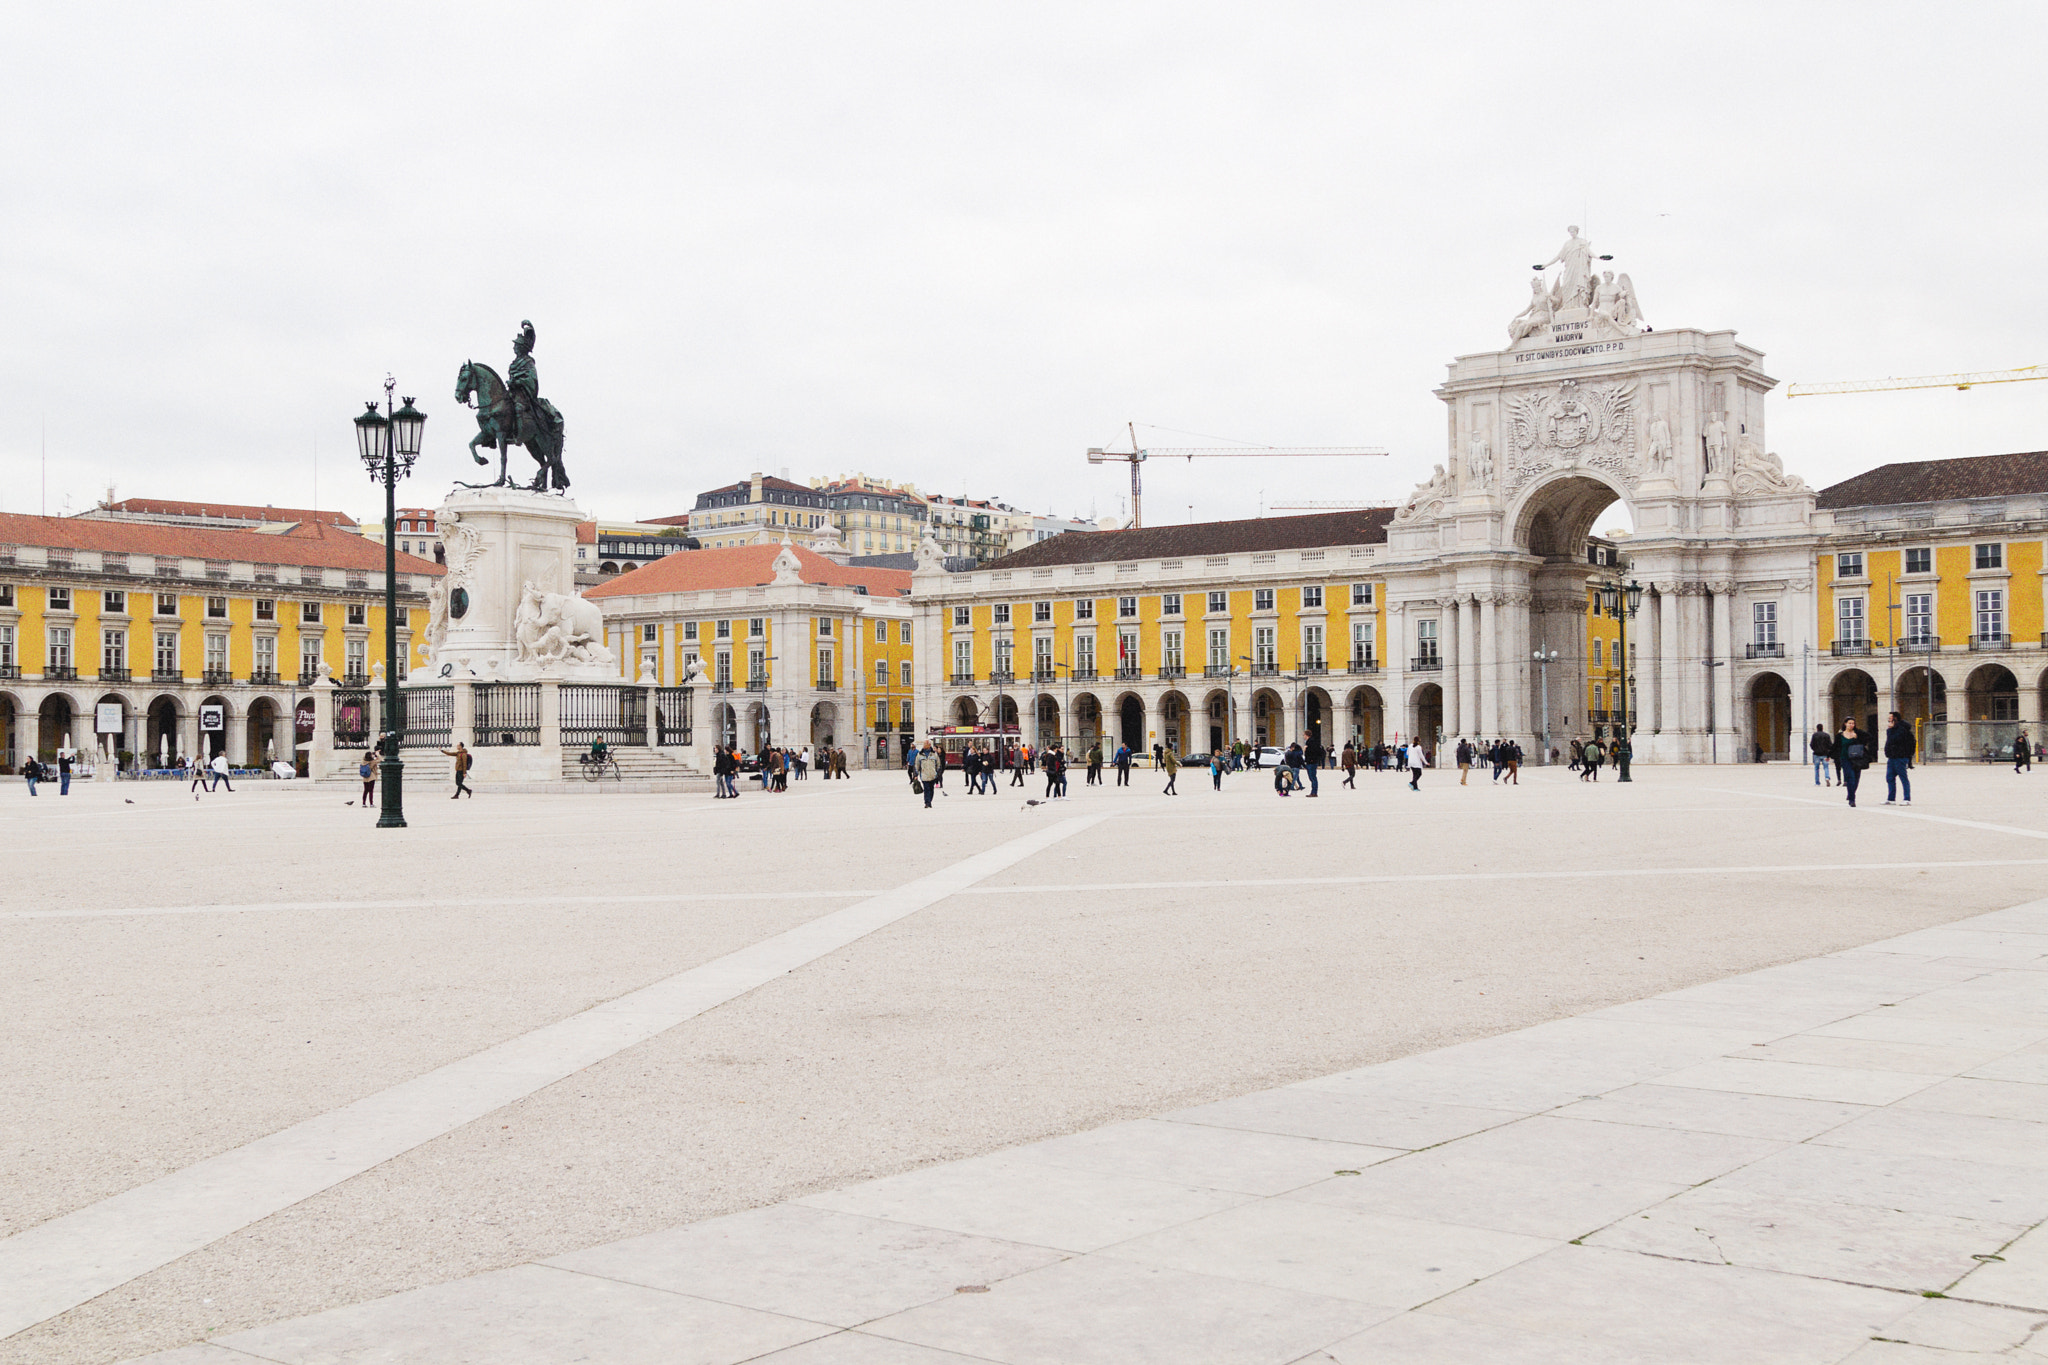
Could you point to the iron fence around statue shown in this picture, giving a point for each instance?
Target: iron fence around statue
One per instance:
(672, 720)
(427, 717)
(594, 711)
(351, 719)
(507, 714)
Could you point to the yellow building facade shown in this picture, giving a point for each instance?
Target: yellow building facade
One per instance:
(123, 636)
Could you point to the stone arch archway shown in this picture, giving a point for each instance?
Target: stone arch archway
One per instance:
(11, 755)
(1366, 715)
(1218, 723)
(1175, 718)
(1046, 721)
(1087, 718)
(1318, 717)
(1130, 722)
(58, 721)
(725, 722)
(824, 724)
(966, 711)
(1553, 517)
(1853, 695)
(1770, 716)
(1269, 718)
(1426, 713)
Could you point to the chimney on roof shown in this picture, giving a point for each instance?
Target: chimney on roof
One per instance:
(754, 489)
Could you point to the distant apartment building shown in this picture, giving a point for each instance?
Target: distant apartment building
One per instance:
(760, 509)
(874, 516)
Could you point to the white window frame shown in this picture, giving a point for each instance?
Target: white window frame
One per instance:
(1851, 622)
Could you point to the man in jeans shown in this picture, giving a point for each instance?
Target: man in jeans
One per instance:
(1899, 746)
(1822, 746)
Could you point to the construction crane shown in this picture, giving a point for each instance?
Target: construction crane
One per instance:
(1138, 454)
(1921, 381)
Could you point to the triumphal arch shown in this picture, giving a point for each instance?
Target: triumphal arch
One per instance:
(1487, 562)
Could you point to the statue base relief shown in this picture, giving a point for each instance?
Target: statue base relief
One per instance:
(507, 609)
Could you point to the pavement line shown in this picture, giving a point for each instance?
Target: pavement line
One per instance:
(1559, 875)
(1879, 808)
(456, 903)
(75, 1257)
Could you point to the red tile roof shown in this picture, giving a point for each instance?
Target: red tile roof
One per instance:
(171, 507)
(744, 566)
(308, 543)
(1971, 476)
(1367, 526)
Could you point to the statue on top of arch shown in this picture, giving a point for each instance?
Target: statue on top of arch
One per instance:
(1600, 301)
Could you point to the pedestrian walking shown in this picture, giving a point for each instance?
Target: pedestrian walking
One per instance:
(1123, 765)
(32, 773)
(2022, 752)
(1416, 760)
(1578, 756)
(1852, 756)
(1217, 763)
(1464, 760)
(1350, 761)
(1514, 762)
(1315, 755)
(1822, 747)
(1172, 765)
(1899, 747)
(202, 778)
(367, 770)
(460, 753)
(1591, 758)
(928, 773)
(1095, 764)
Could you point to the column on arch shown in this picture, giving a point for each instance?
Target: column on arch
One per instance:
(1649, 705)
(1670, 704)
(1468, 665)
(1447, 639)
(1517, 683)
(1489, 666)
(1724, 653)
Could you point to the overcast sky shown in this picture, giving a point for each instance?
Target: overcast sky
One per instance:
(959, 244)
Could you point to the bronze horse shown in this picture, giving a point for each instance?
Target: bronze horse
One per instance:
(498, 424)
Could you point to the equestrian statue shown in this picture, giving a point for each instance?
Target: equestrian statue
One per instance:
(514, 414)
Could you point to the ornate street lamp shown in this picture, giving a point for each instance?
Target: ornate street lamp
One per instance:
(1620, 602)
(389, 442)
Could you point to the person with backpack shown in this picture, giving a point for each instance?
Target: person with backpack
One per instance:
(460, 753)
(1171, 763)
(367, 770)
(928, 773)
(1822, 747)
(1852, 756)
(1217, 763)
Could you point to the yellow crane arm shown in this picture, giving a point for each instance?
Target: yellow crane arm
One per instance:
(1920, 381)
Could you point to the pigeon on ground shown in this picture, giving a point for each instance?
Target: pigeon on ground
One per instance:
(126, 802)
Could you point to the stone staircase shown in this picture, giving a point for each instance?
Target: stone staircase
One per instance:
(641, 769)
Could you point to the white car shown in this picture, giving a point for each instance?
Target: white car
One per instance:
(1268, 757)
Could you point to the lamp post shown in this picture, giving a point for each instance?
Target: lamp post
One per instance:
(389, 442)
(1544, 659)
(1621, 601)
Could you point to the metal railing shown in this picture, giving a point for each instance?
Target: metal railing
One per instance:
(593, 711)
(1001, 677)
(1368, 664)
(167, 675)
(507, 714)
(1427, 663)
(1316, 668)
(263, 677)
(1990, 642)
(1850, 649)
(308, 676)
(827, 685)
(963, 680)
(1218, 671)
(757, 684)
(216, 677)
(672, 721)
(1044, 675)
(61, 672)
(1083, 675)
(426, 717)
(1770, 651)
(10, 670)
(1920, 644)
(113, 673)
(1129, 674)
(1172, 671)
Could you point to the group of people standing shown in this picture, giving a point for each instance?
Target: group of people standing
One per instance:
(774, 767)
(1840, 758)
(35, 770)
(1504, 756)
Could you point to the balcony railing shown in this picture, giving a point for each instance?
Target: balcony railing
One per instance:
(10, 670)
(827, 685)
(1001, 677)
(1427, 663)
(757, 684)
(1172, 671)
(1084, 675)
(308, 676)
(721, 687)
(1218, 671)
(1770, 651)
(1044, 675)
(1850, 649)
(1366, 665)
(355, 677)
(1988, 642)
(1129, 674)
(167, 675)
(113, 673)
(1318, 667)
(61, 672)
(963, 679)
(216, 677)
(1265, 670)
(1921, 644)
(264, 677)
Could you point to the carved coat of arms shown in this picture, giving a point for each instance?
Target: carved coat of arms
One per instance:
(1572, 425)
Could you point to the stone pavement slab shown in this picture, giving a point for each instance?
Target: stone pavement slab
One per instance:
(1601, 1190)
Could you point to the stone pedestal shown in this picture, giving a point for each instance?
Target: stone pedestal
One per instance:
(506, 546)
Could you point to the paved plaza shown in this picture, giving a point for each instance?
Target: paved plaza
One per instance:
(1704, 1068)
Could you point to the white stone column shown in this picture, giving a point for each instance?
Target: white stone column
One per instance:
(1448, 620)
(1520, 644)
(1468, 665)
(1490, 678)
(550, 756)
(1394, 716)
(1648, 704)
(320, 758)
(1724, 676)
(1671, 710)
(462, 713)
(1692, 670)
